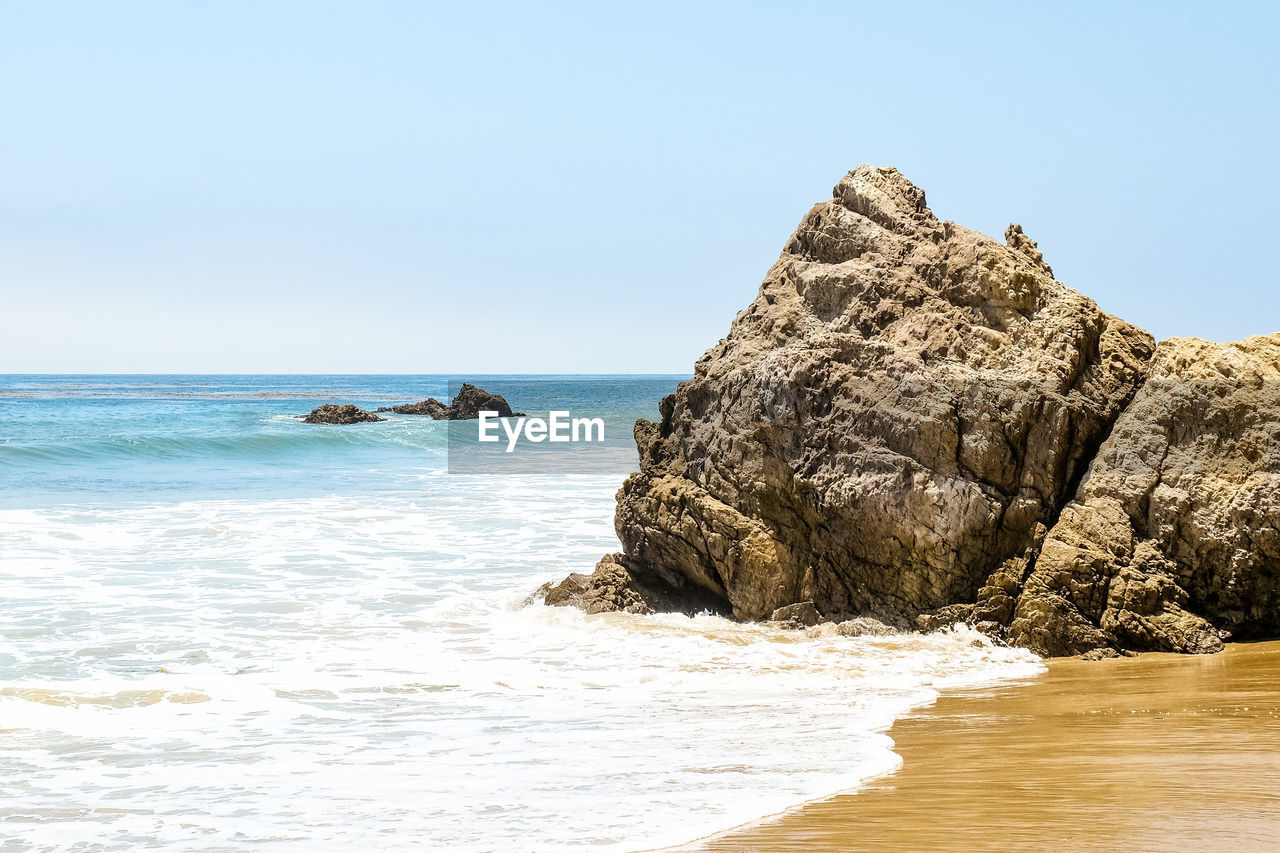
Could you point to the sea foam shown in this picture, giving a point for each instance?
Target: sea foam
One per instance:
(323, 672)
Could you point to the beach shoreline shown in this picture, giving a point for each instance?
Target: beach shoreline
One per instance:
(1149, 753)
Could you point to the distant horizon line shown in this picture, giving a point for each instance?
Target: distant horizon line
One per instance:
(447, 375)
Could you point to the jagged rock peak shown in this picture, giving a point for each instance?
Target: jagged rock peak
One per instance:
(900, 425)
(1015, 239)
(884, 196)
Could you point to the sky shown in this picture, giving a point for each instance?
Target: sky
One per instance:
(387, 187)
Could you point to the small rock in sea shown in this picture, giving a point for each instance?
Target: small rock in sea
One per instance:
(864, 626)
(333, 414)
(943, 617)
(430, 407)
(467, 405)
(612, 589)
(801, 615)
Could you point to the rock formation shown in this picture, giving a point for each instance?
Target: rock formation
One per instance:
(333, 414)
(1173, 541)
(469, 402)
(612, 587)
(901, 424)
(431, 407)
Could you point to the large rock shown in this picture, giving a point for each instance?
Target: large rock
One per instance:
(886, 423)
(896, 425)
(1174, 539)
(330, 413)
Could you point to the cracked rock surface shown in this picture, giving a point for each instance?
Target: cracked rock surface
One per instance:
(1171, 543)
(917, 423)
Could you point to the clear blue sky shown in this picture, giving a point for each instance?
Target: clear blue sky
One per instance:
(413, 187)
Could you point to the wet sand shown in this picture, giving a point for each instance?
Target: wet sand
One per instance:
(1154, 753)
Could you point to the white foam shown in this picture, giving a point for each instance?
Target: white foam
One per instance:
(325, 672)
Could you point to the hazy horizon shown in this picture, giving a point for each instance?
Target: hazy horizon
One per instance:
(405, 188)
(457, 375)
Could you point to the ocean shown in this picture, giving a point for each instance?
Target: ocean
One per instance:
(224, 629)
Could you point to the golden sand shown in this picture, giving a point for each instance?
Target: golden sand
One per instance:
(1154, 753)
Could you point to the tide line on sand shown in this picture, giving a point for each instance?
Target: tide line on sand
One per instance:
(1156, 752)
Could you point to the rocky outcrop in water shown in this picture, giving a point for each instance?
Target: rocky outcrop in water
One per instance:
(469, 402)
(430, 407)
(334, 414)
(612, 588)
(901, 424)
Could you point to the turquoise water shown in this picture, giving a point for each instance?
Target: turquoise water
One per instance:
(129, 438)
(224, 629)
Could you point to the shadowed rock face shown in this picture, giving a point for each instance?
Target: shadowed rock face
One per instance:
(894, 426)
(612, 588)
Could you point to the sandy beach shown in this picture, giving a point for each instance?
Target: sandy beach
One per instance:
(1152, 753)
